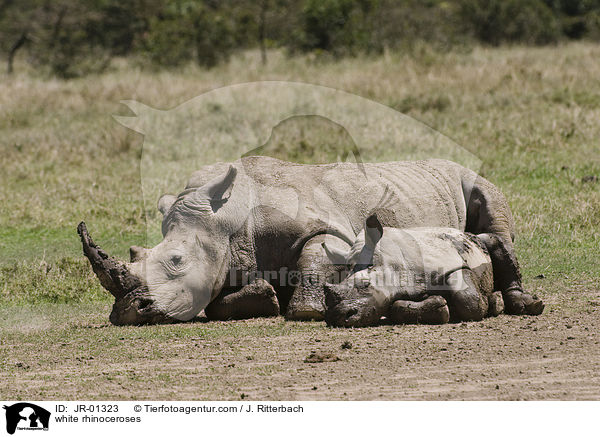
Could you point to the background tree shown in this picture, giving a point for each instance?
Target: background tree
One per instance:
(70, 39)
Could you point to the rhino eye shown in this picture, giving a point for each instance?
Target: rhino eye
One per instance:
(176, 259)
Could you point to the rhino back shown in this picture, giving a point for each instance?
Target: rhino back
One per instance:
(430, 253)
(435, 245)
(420, 193)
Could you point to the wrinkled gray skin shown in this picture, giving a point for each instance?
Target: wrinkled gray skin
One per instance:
(262, 214)
(416, 275)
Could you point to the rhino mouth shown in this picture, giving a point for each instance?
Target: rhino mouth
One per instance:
(352, 315)
(135, 308)
(132, 304)
(349, 312)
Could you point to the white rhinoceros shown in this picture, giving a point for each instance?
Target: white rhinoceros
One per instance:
(415, 275)
(236, 221)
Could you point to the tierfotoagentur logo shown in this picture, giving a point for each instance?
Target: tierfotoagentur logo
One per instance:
(24, 416)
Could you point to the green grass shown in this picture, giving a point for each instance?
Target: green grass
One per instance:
(530, 114)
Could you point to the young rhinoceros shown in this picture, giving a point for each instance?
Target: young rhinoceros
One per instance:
(417, 275)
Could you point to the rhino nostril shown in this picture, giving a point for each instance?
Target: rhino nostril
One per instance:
(351, 312)
(144, 303)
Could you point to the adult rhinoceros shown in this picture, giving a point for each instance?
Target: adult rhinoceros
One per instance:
(260, 214)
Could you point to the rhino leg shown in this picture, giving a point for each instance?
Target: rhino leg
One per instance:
(431, 311)
(257, 299)
(488, 213)
(466, 302)
(308, 298)
(506, 269)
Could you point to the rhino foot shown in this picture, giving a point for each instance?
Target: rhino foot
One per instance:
(495, 304)
(518, 302)
(432, 311)
(254, 300)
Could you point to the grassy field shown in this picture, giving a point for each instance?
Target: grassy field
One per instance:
(530, 114)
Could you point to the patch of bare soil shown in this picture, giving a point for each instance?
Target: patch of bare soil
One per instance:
(553, 356)
(321, 357)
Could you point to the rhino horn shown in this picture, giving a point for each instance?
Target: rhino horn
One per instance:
(113, 274)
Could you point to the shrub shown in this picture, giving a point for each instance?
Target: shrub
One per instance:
(336, 26)
(578, 18)
(189, 30)
(499, 21)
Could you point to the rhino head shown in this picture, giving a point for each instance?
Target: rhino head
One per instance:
(354, 301)
(176, 279)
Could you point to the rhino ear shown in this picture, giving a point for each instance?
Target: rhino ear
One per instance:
(215, 190)
(373, 231)
(165, 202)
(335, 256)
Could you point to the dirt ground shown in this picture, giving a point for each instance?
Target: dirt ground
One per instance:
(553, 356)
